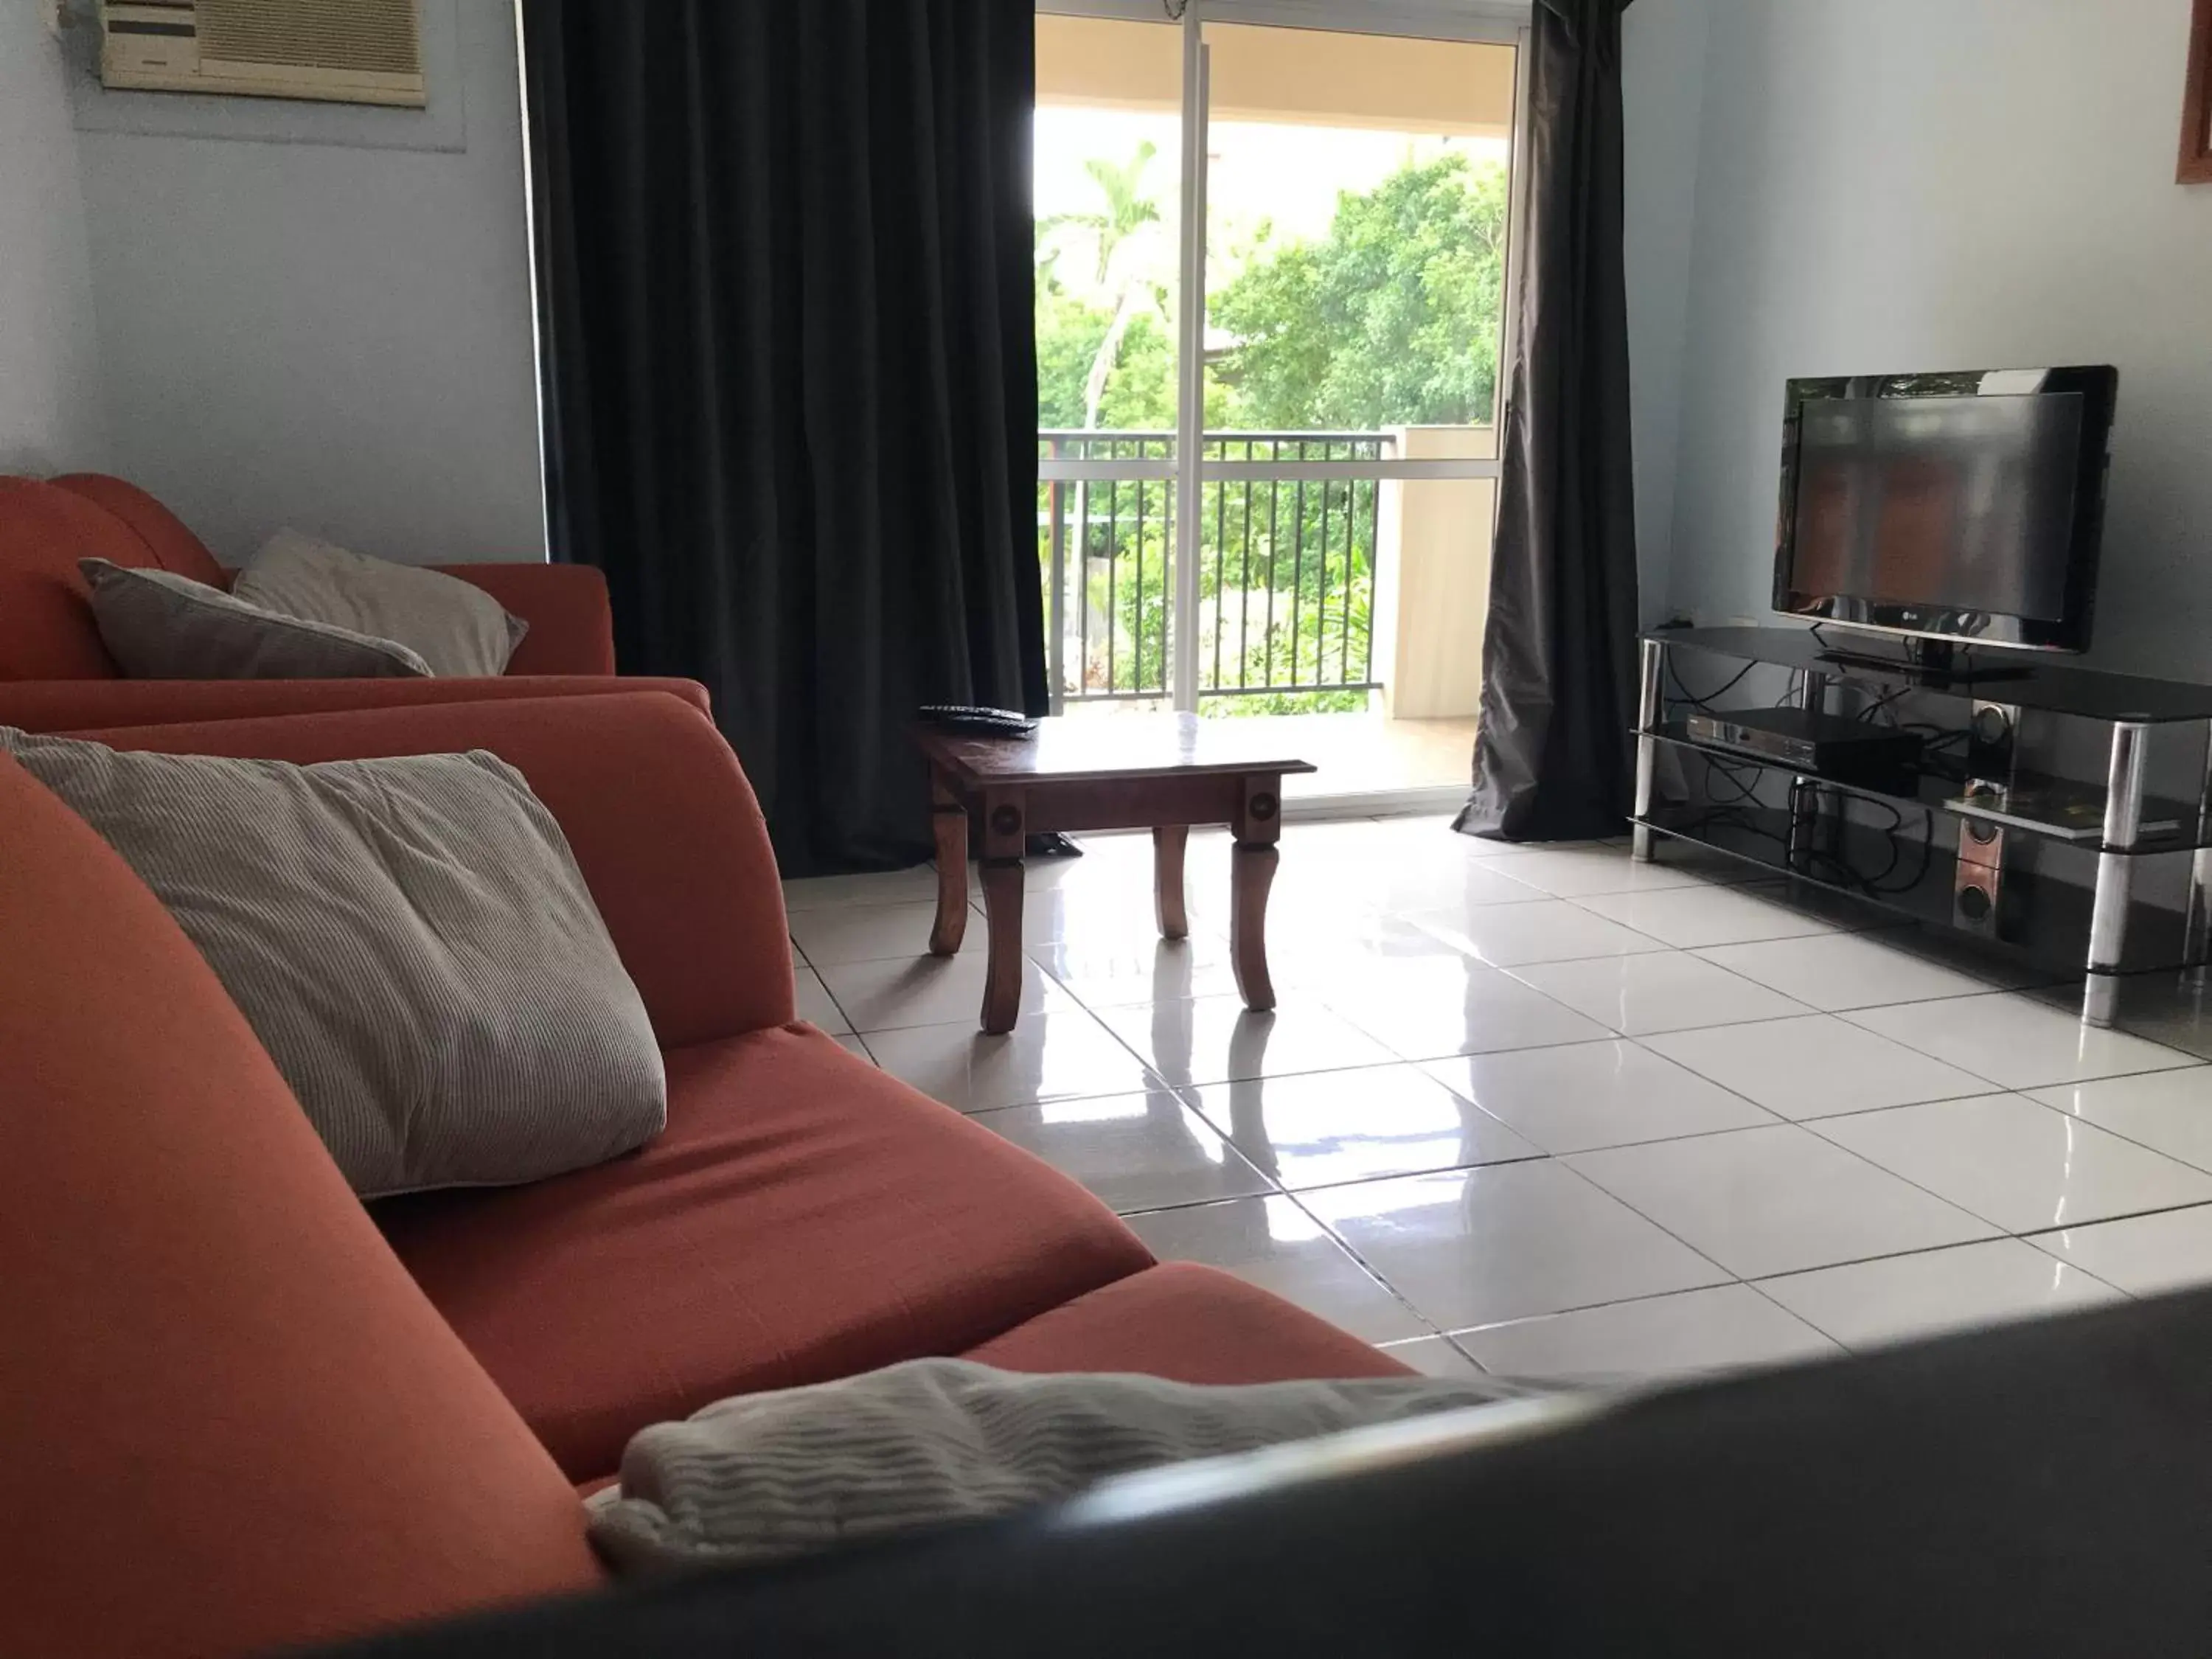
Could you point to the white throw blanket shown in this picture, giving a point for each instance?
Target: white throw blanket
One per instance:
(762, 1477)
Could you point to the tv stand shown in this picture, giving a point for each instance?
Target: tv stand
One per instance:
(1940, 660)
(2004, 829)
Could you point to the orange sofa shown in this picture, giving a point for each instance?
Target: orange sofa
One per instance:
(56, 675)
(240, 1410)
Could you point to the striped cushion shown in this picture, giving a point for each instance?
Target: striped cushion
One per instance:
(409, 938)
(453, 626)
(931, 1442)
(161, 626)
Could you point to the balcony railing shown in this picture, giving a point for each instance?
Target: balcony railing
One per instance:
(1287, 551)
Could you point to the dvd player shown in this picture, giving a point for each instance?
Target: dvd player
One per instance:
(1807, 742)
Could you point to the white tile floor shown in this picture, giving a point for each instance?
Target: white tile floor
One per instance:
(1548, 1112)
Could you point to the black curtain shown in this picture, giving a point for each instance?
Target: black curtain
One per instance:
(1552, 760)
(787, 314)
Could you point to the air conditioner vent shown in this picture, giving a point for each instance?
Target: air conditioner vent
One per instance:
(376, 36)
(349, 52)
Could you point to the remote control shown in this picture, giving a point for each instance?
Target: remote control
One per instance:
(981, 722)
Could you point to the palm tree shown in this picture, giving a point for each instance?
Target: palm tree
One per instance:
(1129, 212)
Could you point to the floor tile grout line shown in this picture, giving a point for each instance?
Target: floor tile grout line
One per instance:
(2003, 1233)
(1992, 1085)
(2190, 1060)
(1841, 1346)
(1820, 929)
(1798, 1011)
(1729, 1273)
(852, 1025)
(1758, 1129)
(1944, 1249)
(1434, 1326)
(1453, 1333)
(2117, 1134)
(2035, 1233)
(1948, 1203)
(2023, 1096)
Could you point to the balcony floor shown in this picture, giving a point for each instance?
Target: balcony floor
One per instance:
(1361, 758)
(1373, 755)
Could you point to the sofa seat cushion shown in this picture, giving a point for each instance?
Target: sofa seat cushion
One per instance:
(1190, 1324)
(804, 1217)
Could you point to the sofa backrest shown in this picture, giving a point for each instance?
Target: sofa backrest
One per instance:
(46, 628)
(167, 536)
(231, 1420)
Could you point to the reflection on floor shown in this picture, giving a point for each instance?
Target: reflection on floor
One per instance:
(1550, 1112)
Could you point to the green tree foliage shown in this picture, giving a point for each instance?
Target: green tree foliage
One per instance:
(1129, 218)
(1390, 320)
(1140, 393)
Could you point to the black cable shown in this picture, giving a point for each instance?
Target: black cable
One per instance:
(1875, 708)
(1705, 705)
(1731, 812)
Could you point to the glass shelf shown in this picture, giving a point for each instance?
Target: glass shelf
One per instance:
(1931, 787)
(2023, 678)
(2046, 919)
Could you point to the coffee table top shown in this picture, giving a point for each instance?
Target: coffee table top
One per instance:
(1092, 748)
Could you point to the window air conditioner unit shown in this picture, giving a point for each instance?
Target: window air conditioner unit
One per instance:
(341, 51)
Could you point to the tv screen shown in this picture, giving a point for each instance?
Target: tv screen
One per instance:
(1955, 506)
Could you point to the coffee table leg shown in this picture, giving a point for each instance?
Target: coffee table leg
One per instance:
(1168, 847)
(1252, 872)
(1003, 836)
(949, 819)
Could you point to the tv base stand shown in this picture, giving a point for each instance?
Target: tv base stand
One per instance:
(2054, 812)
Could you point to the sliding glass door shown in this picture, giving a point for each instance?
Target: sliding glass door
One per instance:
(1271, 279)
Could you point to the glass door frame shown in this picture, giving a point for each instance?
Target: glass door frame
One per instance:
(1498, 22)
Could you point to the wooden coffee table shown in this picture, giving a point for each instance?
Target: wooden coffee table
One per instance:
(1160, 772)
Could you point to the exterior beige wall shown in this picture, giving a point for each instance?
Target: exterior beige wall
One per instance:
(1285, 76)
(1432, 578)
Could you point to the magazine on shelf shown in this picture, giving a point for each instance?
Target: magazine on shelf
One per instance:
(2070, 811)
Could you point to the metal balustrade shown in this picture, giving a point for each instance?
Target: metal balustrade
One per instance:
(1287, 550)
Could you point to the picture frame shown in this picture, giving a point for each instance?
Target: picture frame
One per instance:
(2196, 104)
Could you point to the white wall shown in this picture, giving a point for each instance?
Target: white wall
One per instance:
(1664, 47)
(50, 391)
(329, 337)
(1899, 184)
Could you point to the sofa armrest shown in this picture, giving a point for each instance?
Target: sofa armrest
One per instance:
(572, 629)
(73, 705)
(664, 826)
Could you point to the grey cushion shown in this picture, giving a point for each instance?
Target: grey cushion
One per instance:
(456, 628)
(161, 626)
(409, 938)
(933, 1441)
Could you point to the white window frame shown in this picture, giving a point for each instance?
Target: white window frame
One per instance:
(1498, 22)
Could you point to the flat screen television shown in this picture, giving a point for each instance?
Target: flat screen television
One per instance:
(1966, 507)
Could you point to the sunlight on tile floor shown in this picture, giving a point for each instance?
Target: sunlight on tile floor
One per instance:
(1549, 1113)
